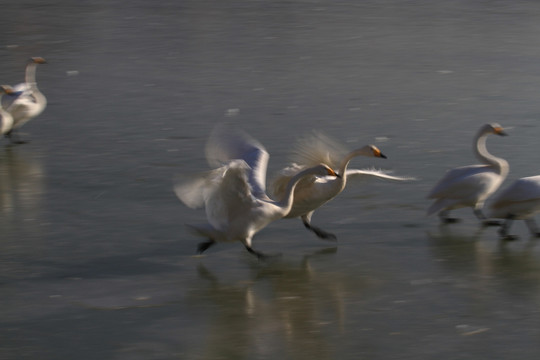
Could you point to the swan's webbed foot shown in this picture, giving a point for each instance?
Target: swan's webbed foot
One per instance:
(202, 247)
(491, 223)
(449, 220)
(503, 231)
(260, 255)
(445, 219)
(320, 232)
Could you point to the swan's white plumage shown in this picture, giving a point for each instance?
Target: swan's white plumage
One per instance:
(470, 186)
(312, 192)
(31, 102)
(234, 194)
(520, 200)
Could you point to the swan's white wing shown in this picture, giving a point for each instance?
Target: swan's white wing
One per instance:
(383, 174)
(9, 99)
(231, 197)
(225, 145)
(318, 148)
(193, 190)
(470, 183)
(523, 189)
(455, 178)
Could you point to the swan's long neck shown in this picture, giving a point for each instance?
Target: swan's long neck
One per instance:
(30, 75)
(483, 154)
(286, 201)
(345, 163)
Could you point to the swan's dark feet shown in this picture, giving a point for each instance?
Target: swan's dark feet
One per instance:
(450, 220)
(321, 233)
(260, 255)
(510, 237)
(491, 223)
(204, 246)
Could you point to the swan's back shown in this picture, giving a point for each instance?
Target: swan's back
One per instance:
(524, 189)
(460, 180)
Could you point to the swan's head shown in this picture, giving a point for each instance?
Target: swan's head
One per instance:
(369, 150)
(37, 60)
(494, 128)
(376, 152)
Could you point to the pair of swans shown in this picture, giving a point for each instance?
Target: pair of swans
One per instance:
(470, 186)
(234, 193)
(28, 104)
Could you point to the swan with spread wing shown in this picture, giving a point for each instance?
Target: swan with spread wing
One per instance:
(234, 194)
(314, 191)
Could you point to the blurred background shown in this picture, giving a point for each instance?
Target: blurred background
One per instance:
(95, 260)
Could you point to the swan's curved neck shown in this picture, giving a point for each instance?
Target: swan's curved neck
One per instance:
(483, 154)
(345, 163)
(30, 75)
(286, 201)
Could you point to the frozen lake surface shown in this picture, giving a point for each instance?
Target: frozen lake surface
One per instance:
(95, 261)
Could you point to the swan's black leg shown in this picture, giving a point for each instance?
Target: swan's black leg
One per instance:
(13, 138)
(259, 255)
(503, 231)
(318, 231)
(485, 221)
(533, 228)
(445, 219)
(204, 246)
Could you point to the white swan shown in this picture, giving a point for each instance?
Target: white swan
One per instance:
(470, 186)
(313, 192)
(6, 120)
(520, 201)
(30, 103)
(234, 195)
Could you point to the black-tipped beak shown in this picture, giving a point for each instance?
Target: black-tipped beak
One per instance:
(502, 133)
(338, 176)
(383, 156)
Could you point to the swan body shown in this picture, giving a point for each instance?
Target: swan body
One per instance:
(31, 102)
(470, 186)
(233, 195)
(520, 201)
(314, 191)
(6, 120)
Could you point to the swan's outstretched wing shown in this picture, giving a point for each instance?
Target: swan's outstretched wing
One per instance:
(318, 148)
(193, 190)
(230, 197)
(378, 173)
(225, 145)
(523, 189)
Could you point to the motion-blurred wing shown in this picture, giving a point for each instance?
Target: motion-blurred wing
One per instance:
(383, 174)
(225, 145)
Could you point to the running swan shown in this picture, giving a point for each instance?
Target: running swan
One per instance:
(470, 186)
(30, 103)
(314, 191)
(234, 195)
(520, 201)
